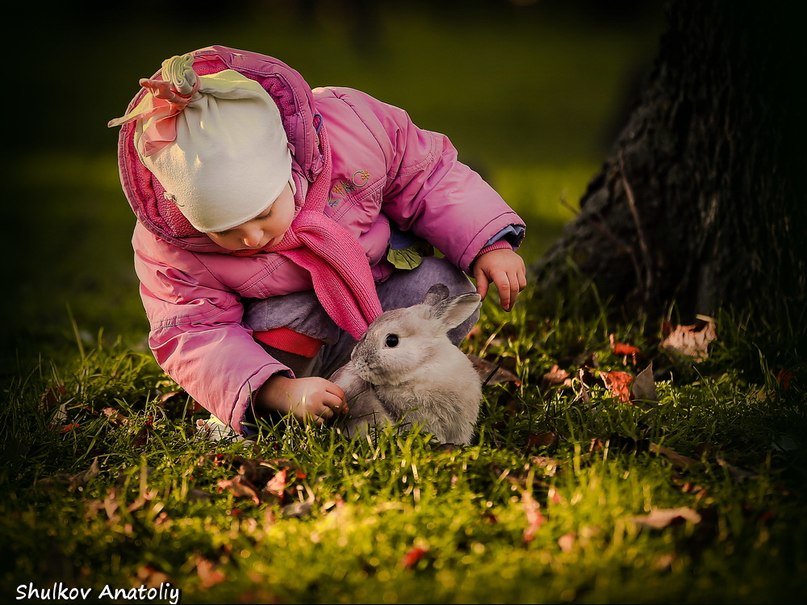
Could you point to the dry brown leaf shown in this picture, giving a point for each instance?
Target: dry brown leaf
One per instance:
(52, 397)
(677, 459)
(81, 478)
(111, 505)
(545, 439)
(277, 484)
(643, 387)
(659, 518)
(664, 562)
(554, 496)
(549, 465)
(151, 576)
(784, 378)
(115, 417)
(692, 340)
(413, 555)
(626, 350)
(618, 383)
(169, 395)
(556, 376)
(298, 509)
(209, 574)
(493, 373)
(534, 517)
(139, 502)
(737, 473)
(566, 541)
(92, 508)
(240, 487)
(195, 494)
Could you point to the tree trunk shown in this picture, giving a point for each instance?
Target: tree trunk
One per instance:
(701, 201)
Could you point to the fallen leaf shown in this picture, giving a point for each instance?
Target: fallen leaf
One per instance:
(659, 518)
(549, 465)
(554, 496)
(277, 485)
(81, 478)
(664, 562)
(69, 427)
(618, 383)
(240, 487)
(691, 340)
(111, 504)
(643, 387)
(583, 394)
(534, 517)
(298, 509)
(737, 473)
(169, 395)
(115, 417)
(492, 373)
(412, 556)
(151, 576)
(92, 508)
(196, 494)
(566, 541)
(139, 502)
(626, 350)
(595, 445)
(785, 443)
(52, 397)
(209, 574)
(784, 378)
(677, 459)
(556, 376)
(545, 439)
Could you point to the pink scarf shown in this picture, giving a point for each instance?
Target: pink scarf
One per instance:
(338, 265)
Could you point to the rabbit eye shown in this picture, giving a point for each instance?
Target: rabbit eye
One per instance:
(391, 340)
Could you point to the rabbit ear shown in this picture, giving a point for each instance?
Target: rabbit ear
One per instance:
(436, 294)
(452, 312)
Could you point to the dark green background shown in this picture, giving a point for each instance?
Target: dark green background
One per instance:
(531, 93)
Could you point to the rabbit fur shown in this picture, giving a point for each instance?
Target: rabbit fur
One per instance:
(406, 368)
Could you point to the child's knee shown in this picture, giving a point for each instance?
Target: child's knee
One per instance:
(441, 271)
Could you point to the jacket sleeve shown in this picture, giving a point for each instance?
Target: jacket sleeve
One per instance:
(430, 192)
(197, 335)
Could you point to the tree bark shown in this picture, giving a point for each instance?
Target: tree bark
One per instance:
(701, 201)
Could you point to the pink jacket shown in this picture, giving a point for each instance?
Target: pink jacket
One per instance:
(385, 169)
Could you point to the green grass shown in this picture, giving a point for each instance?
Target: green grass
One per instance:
(372, 501)
(530, 99)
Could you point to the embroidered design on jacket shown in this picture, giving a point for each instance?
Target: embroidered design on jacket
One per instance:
(341, 189)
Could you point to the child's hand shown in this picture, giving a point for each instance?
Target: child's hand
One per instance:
(504, 268)
(308, 399)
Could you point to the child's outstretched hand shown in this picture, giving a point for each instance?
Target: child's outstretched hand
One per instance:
(308, 399)
(504, 268)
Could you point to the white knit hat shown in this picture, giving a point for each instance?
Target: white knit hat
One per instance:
(229, 159)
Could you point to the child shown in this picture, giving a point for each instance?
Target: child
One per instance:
(271, 218)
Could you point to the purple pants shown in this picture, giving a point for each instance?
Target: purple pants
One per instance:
(302, 313)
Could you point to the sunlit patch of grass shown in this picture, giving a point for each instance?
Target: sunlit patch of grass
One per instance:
(155, 504)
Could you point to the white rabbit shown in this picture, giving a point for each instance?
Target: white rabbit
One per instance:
(406, 368)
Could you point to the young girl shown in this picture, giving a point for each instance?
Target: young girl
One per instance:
(273, 222)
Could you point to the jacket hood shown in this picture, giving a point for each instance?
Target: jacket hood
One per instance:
(295, 101)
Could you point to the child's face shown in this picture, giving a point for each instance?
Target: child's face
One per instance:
(266, 228)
